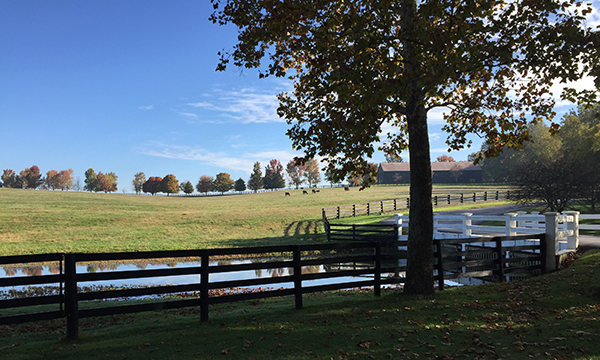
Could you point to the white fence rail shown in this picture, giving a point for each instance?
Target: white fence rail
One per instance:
(561, 229)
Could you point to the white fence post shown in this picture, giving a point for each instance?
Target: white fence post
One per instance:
(467, 231)
(573, 240)
(551, 240)
(398, 221)
(510, 224)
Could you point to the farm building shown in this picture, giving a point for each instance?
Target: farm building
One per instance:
(443, 173)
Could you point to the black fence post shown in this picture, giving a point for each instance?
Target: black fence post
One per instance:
(497, 194)
(377, 275)
(368, 208)
(462, 198)
(408, 203)
(449, 199)
(382, 207)
(353, 232)
(204, 263)
(501, 260)
(435, 200)
(338, 212)
(353, 210)
(507, 194)
(395, 207)
(71, 306)
(297, 276)
(474, 197)
(440, 263)
(485, 196)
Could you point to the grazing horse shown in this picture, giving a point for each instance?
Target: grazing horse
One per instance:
(346, 188)
(287, 194)
(304, 192)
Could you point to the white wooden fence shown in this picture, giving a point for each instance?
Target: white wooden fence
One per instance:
(562, 230)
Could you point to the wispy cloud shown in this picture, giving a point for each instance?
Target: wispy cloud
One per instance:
(146, 107)
(242, 106)
(221, 159)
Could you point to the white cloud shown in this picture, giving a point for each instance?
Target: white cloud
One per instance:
(242, 106)
(244, 163)
(146, 107)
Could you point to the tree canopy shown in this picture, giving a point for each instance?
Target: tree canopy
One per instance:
(358, 66)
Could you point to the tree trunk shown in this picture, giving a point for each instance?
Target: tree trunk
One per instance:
(419, 269)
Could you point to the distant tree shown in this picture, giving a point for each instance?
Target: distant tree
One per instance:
(187, 187)
(52, 180)
(65, 179)
(138, 182)
(152, 185)
(77, 184)
(273, 175)
(445, 158)
(240, 185)
(223, 182)
(255, 182)
(296, 172)
(205, 184)
(107, 182)
(393, 158)
(9, 178)
(169, 185)
(31, 177)
(91, 180)
(312, 174)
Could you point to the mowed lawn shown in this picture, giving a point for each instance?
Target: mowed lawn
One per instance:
(35, 221)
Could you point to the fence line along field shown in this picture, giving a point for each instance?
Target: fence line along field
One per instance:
(34, 221)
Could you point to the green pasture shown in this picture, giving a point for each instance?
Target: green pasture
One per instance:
(33, 221)
(554, 316)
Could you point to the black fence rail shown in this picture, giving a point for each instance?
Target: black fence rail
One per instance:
(385, 206)
(366, 232)
(374, 263)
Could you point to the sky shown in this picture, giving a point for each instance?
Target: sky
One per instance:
(126, 86)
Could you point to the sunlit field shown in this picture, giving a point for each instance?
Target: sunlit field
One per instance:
(33, 221)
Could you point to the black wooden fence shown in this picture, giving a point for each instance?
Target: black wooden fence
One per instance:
(376, 258)
(385, 206)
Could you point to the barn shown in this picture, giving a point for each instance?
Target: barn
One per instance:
(459, 172)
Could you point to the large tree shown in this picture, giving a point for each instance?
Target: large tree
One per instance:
(223, 182)
(65, 179)
(359, 66)
(138, 182)
(295, 172)
(273, 175)
(205, 184)
(169, 185)
(312, 175)
(9, 178)
(107, 182)
(91, 180)
(32, 178)
(52, 180)
(255, 182)
(152, 185)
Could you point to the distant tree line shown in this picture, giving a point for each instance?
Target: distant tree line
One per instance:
(31, 178)
(557, 166)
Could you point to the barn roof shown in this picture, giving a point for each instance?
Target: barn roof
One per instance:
(435, 166)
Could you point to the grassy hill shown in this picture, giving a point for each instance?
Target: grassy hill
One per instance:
(54, 221)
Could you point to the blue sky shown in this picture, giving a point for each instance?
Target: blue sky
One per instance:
(130, 85)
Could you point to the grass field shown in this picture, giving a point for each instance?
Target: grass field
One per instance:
(555, 316)
(55, 221)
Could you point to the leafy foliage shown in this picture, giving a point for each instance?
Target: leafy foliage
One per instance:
(273, 175)
(10, 179)
(187, 187)
(223, 182)
(107, 182)
(91, 180)
(312, 175)
(169, 185)
(152, 185)
(205, 184)
(295, 172)
(138, 182)
(445, 158)
(360, 65)
(31, 177)
(240, 185)
(256, 179)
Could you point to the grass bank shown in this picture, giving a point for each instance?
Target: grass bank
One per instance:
(555, 316)
(55, 221)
